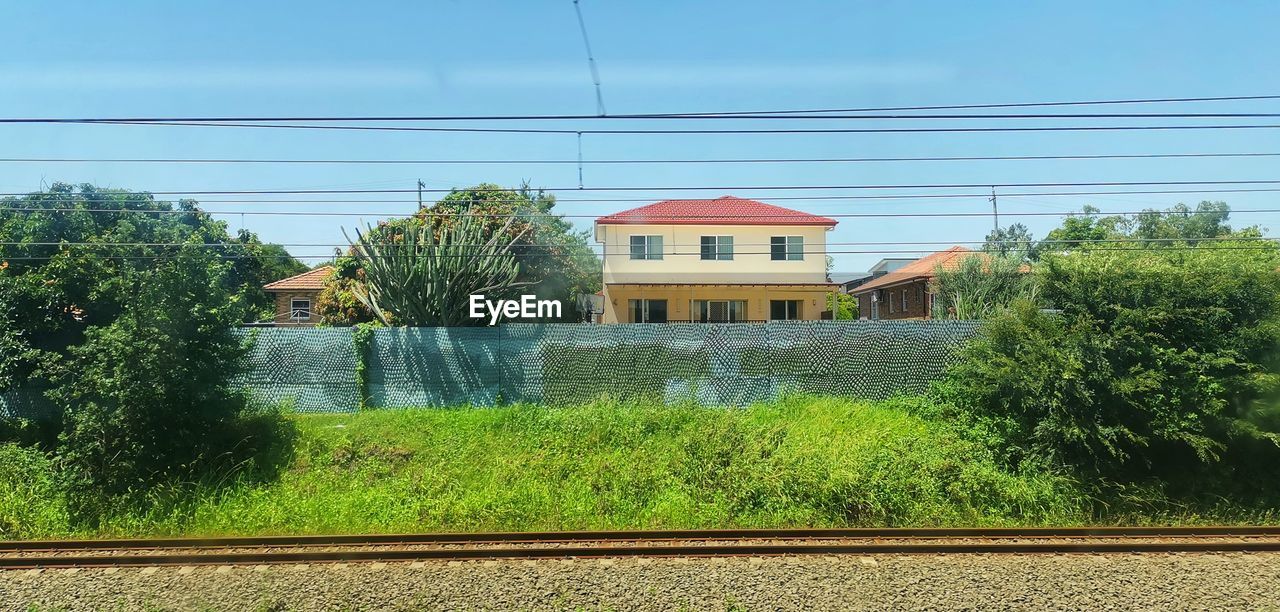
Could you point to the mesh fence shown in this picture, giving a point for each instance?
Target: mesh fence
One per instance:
(311, 369)
(25, 403)
(716, 364)
(319, 369)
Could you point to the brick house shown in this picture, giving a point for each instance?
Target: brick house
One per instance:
(296, 296)
(905, 292)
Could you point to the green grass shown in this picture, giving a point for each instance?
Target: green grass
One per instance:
(798, 462)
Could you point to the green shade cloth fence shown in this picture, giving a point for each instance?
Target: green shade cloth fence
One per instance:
(331, 369)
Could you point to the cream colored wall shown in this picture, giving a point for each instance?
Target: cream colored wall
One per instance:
(678, 299)
(682, 263)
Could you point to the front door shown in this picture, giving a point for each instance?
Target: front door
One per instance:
(718, 311)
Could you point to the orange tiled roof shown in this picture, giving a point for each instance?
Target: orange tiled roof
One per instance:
(311, 279)
(725, 210)
(922, 268)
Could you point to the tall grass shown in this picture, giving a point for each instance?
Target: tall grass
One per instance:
(796, 462)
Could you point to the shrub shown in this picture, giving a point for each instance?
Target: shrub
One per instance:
(982, 285)
(146, 398)
(31, 504)
(1159, 363)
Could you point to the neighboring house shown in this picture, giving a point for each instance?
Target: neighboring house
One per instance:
(296, 296)
(904, 292)
(848, 281)
(727, 259)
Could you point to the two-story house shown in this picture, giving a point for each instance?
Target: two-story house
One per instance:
(727, 259)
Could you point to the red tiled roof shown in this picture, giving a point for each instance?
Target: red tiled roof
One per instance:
(919, 269)
(725, 210)
(311, 279)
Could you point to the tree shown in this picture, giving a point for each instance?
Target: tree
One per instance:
(1160, 361)
(337, 303)
(258, 264)
(1013, 239)
(427, 276)
(147, 397)
(66, 257)
(1179, 224)
(556, 262)
(843, 307)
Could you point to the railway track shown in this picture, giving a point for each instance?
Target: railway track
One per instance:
(271, 550)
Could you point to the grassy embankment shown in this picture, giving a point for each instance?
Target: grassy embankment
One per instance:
(799, 462)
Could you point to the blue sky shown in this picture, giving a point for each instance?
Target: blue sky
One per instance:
(344, 58)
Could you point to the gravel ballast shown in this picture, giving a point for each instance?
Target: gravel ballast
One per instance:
(1149, 581)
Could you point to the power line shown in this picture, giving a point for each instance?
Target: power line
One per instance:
(1163, 249)
(821, 198)
(985, 185)
(565, 131)
(569, 216)
(819, 113)
(1000, 105)
(673, 245)
(189, 160)
(767, 115)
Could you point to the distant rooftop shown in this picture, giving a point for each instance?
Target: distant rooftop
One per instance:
(725, 210)
(922, 268)
(311, 279)
(889, 264)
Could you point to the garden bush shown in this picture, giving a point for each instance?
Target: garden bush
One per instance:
(1157, 362)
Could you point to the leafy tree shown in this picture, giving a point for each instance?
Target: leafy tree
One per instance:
(555, 261)
(1174, 225)
(259, 264)
(1161, 362)
(337, 303)
(427, 275)
(843, 307)
(120, 310)
(147, 397)
(69, 251)
(1013, 239)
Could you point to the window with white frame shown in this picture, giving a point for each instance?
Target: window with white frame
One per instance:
(646, 247)
(904, 299)
(717, 248)
(786, 248)
(892, 304)
(299, 309)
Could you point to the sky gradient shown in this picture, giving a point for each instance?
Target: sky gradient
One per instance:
(75, 59)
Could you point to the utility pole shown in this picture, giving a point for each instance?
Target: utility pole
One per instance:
(420, 186)
(995, 212)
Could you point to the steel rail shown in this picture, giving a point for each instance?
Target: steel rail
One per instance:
(560, 537)
(587, 552)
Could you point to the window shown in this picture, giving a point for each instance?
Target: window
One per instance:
(717, 247)
(784, 310)
(786, 248)
(648, 311)
(904, 299)
(719, 311)
(299, 309)
(646, 247)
